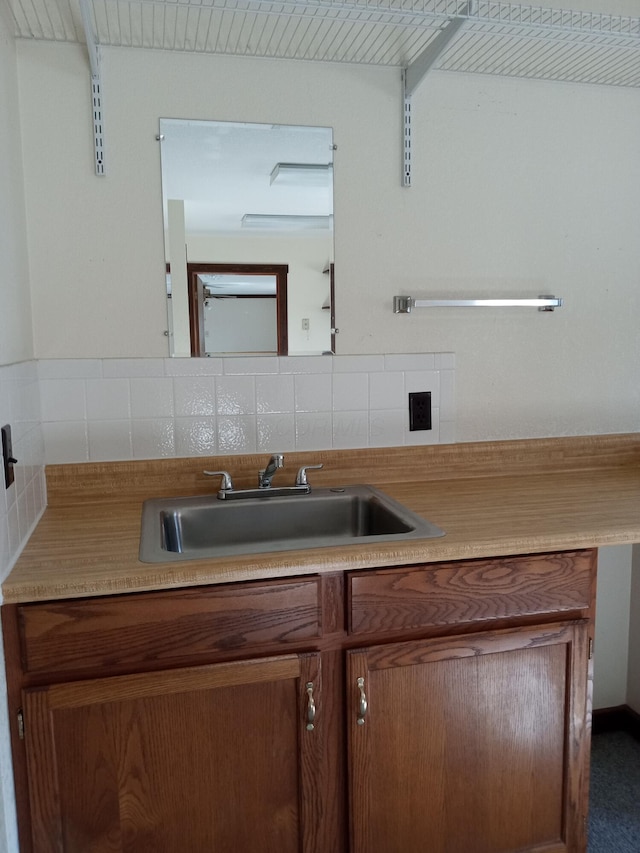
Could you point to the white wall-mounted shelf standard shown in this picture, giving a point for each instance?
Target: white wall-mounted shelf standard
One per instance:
(406, 304)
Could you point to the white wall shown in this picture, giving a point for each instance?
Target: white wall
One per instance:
(520, 187)
(611, 647)
(16, 342)
(633, 688)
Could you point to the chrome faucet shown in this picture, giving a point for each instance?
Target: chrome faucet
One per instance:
(264, 490)
(266, 475)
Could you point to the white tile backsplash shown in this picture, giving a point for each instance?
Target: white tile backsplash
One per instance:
(152, 398)
(386, 390)
(194, 395)
(274, 394)
(313, 392)
(108, 399)
(236, 395)
(196, 437)
(237, 434)
(22, 504)
(350, 392)
(144, 408)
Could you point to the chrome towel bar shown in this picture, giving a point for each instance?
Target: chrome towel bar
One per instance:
(405, 304)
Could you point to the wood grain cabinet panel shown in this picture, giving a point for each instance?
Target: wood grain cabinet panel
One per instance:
(470, 591)
(470, 745)
(138, 630)
(337, 714)
(201, 759)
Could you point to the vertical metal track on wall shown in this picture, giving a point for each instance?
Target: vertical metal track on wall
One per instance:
(98, 138)
(406, 140)
(414, 74)
(96, 89)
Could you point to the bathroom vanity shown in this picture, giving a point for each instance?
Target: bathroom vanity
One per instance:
(365, 699)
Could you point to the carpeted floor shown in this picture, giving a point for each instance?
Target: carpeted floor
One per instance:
(614, 822)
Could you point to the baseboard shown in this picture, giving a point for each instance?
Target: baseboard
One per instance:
(619, 719)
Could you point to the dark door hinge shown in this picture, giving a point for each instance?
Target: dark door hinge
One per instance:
(21, 724)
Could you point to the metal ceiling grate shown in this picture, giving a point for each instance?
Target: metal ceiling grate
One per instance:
(497, 38)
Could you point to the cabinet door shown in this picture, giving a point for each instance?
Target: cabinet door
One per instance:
(474, 744)
(211, 758)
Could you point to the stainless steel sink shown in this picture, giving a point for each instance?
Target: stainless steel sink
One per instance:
(199, 527)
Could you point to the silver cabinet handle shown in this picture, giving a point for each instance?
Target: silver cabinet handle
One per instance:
(311, 707)
(362, 704)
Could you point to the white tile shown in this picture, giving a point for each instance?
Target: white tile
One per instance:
(108, 399)
(70, 368)
(151, 398)
(350, 392)
(274, 393)
(153, 438)
(447, 432)
(194, 395)
(237, 434)
(110, 440)
(193, 367)
(24, 516)
(423, 380)
(276, 433)
(28, 407)
(127, 368)
(5, 555)
(386, 427)
(236, 395)
(306, 364)
(63, 399)
(313, 392)
(196, 437)
(447, 395)
(314, 431)
(386, 391)
(13, 527)
(251, 365)
(358, 363)
(350, 429)
(413, 361)
(65, 442)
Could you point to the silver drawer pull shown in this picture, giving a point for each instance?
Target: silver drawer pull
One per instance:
(362, 704)
(311, 707)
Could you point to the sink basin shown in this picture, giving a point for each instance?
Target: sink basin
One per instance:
(199, 527)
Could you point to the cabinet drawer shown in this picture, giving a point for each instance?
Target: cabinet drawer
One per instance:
(156, 628)
(470, 591)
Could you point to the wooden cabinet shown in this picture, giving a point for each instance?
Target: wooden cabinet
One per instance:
(441, 707)
(469, 745)
(207, 758)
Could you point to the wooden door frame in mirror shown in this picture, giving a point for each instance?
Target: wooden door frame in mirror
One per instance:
(196, 319)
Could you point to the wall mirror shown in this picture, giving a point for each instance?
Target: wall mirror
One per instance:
(248, 225)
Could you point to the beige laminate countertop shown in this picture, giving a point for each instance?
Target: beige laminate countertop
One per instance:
(491, 498)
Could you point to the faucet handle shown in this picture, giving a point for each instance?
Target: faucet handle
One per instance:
(301, 477)
(227, 484)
